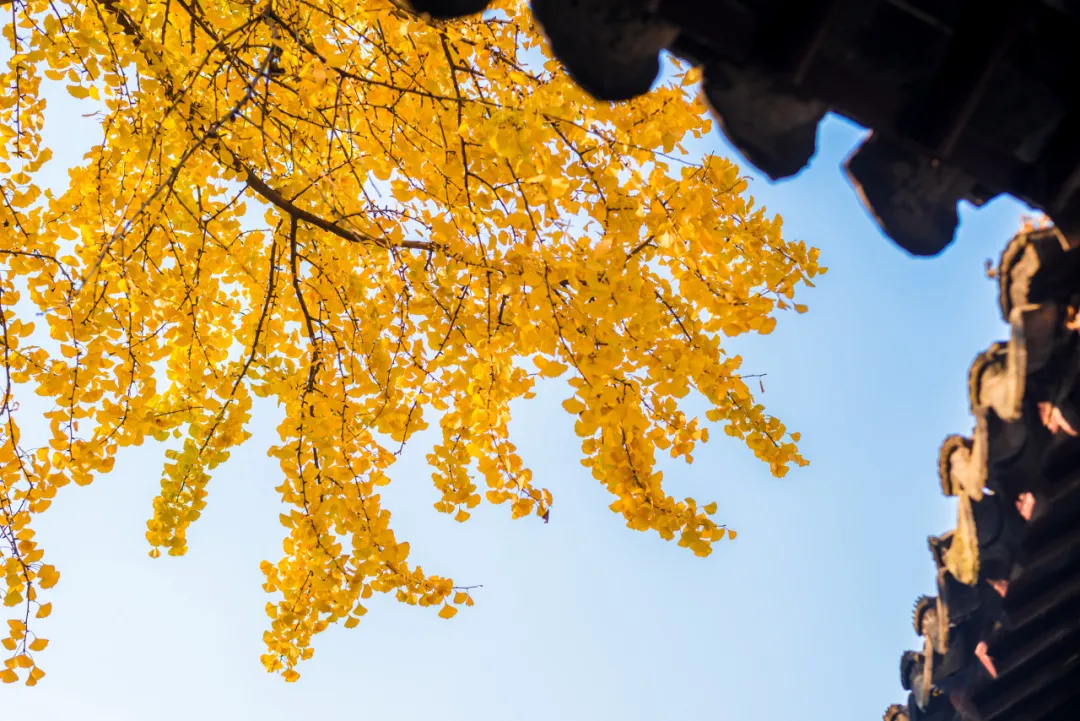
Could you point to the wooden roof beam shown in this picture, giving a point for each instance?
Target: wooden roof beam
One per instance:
(978, 45)
(791, 39)
(1039, 695)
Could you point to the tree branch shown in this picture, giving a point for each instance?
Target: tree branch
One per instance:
(275, 198)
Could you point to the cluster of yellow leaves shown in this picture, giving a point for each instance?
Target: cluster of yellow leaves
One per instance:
(377, 221)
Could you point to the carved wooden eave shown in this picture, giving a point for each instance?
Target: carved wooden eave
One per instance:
(1005, 645)
(966, 100)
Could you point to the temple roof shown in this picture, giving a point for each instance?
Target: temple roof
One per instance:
(965, 100)
(1002, 636)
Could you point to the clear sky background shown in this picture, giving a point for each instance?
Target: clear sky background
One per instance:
(803, 616)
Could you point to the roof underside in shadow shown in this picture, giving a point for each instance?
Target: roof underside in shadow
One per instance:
(966, 100)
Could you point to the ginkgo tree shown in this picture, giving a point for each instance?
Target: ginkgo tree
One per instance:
(378, 221)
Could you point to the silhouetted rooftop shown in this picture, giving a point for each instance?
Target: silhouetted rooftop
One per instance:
(965, 100)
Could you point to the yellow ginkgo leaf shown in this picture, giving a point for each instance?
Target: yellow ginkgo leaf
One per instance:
(377, 230)
(573, 405)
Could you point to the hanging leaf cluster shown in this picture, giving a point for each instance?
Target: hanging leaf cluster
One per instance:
(380, 223)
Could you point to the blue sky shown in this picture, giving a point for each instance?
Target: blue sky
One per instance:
(804, 615)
